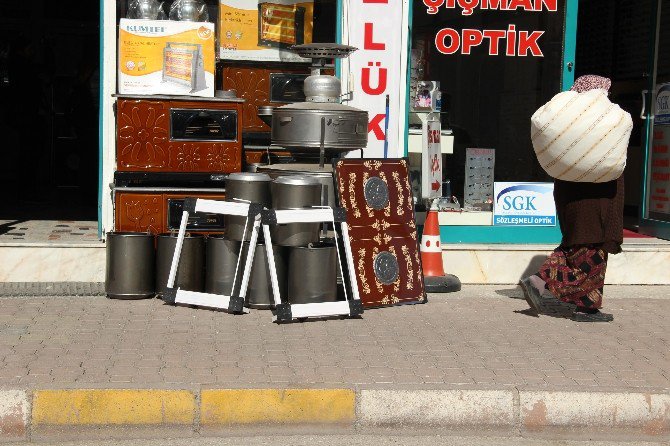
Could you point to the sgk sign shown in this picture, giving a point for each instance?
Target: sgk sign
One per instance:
(524, 204)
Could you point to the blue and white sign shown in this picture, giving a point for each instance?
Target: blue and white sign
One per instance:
(662, 109)
(524, 204)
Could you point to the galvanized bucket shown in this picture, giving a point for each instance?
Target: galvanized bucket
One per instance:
(130, 272)
(222, 255)
(312, 273)
(259, 292)
(295, 192)
(246, 186)
(191, 272)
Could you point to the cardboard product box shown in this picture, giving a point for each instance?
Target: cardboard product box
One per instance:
(166, 57)
(259, 30)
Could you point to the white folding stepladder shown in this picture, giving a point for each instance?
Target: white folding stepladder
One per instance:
(233, 303)
(285, 311)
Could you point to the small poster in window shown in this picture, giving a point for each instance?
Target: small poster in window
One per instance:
(478, 187)
(264, 30)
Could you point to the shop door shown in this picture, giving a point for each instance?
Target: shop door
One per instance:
(655, 209)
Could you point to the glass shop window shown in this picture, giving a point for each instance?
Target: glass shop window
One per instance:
(495, 67)
(307, 20)
(253, 59)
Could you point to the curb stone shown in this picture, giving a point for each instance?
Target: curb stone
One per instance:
(14, 415)
(28, 415)
(50, 289)
(646, 413)
(458, 408)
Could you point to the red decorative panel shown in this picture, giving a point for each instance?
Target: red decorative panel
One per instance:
(139, 213)
(144, 144)
(377, 197)
(253, 84)
(142, 135)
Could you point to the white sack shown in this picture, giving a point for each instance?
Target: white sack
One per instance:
(581, 137)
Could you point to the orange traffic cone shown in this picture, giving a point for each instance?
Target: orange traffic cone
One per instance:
(431, 252)
(434, 278)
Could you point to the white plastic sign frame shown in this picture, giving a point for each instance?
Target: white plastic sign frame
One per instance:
(285, 312)
(232, 303)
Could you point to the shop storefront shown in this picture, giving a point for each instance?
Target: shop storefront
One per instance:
(494, 64)
(471, 72)
(250, 67)
(491, 64)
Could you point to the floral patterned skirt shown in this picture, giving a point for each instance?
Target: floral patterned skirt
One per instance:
(576, 275)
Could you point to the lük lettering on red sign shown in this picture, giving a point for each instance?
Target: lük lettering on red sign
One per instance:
(382, 78)
(374, 77)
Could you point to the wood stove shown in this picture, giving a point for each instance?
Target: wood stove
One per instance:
(169, 148)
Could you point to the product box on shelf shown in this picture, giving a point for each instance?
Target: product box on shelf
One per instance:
(263, 31)
(166, 57)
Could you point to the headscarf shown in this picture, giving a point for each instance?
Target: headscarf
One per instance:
(591, 82)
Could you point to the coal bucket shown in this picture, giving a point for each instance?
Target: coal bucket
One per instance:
(245, 186)
(191, 271)
(259, 291)
(130, 272)
(295, 192)
(312, 273)
(222, 255)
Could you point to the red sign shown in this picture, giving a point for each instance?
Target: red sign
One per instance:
(510, 41)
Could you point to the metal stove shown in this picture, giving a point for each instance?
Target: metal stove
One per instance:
(321, 123)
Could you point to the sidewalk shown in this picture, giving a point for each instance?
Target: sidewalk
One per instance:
(471, 359)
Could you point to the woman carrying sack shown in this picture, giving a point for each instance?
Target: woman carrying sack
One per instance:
(588, 192)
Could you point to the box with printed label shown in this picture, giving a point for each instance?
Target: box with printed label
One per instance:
(166, 57)
(262, 30)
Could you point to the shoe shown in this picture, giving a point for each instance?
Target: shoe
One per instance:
(532, 295)
(597, 316)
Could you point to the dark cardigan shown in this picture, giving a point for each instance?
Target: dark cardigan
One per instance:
(590, 214)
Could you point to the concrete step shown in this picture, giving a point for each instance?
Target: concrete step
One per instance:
(643, 261)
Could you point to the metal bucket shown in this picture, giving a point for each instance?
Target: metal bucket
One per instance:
(130, 272)
(295, 192)
(323, 174)
(312, 273)
(247, 186)
(259, 291)
(222, 255)
(191, 272)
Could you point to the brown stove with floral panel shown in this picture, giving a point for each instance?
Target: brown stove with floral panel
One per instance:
(178, 134)
(377, 197)
(156, 211)
(271, 84)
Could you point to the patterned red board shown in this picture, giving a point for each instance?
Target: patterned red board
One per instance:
(377, 197)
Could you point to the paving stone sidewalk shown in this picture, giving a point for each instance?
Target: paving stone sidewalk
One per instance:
(478, 337)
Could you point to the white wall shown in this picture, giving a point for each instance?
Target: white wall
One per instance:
(108, 87)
